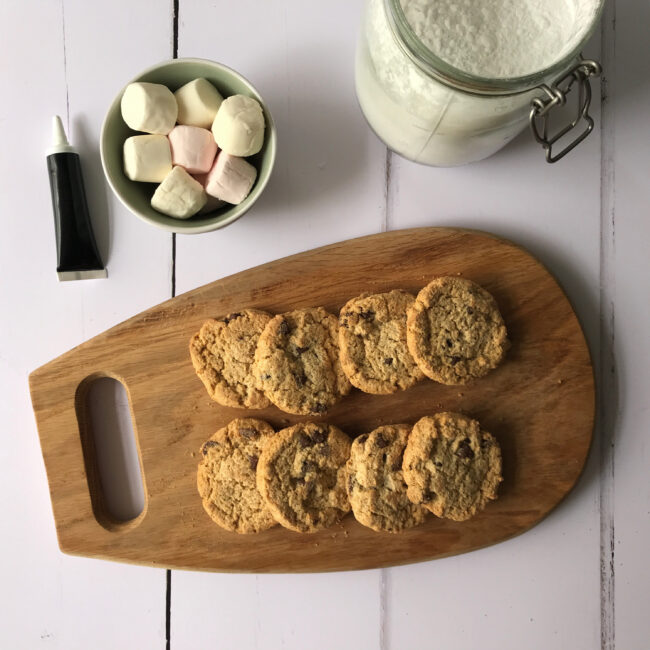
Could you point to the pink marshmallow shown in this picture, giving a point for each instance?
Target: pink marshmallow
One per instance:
(192, 148)
(213, 202)
(230, 179)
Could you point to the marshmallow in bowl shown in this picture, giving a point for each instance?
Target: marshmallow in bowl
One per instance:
(238, 127)
(149, 107)
(147, 158)
(192, 148)
(198, 102)
(230, 179)
(213, 202)
(179, 195)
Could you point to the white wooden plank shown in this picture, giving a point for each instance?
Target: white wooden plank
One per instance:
(540, 590)
(630, 106)
(327, 186)
(269, 612)
(49, 599)
(537, 591)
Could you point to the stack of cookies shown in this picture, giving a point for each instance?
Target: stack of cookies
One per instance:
(306, 360)
(308, 476)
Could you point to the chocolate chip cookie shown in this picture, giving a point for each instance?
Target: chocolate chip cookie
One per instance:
(222, 354)
(297, 362)
(376, 486)
(301, 476)
(450, 466)
(455, 331)
(226, 477)
(372, 338)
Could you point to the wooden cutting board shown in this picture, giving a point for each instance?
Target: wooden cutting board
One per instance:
(539, 404)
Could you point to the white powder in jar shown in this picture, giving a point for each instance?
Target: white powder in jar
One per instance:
(434, 123)
(499, 38)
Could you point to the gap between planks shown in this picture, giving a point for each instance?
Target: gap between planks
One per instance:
(168, 574)
(608, 392)
(65, 71)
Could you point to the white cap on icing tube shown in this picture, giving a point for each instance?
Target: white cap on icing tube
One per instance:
(60, 142)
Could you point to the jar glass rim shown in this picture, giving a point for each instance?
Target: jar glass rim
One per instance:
(429, 62)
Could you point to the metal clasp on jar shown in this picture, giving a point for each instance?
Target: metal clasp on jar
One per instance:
(556, 95)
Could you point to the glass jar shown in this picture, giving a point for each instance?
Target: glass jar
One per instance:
(432, 113)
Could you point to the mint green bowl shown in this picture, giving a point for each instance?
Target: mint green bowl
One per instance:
(137, 196)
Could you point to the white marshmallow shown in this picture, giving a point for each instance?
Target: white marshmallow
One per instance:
(230, 179)
(213, 203)
(238, 127)
(147, 158)
(149, 107)
(198, 102)
(193, 148)
(179, 195)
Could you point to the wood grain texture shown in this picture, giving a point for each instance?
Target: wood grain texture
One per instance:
(539, 405)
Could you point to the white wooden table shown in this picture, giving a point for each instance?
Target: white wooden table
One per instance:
(579, 580)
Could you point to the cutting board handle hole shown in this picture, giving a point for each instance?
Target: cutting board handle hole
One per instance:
(113, 465)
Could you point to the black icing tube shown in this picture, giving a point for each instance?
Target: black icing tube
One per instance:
(77, 254)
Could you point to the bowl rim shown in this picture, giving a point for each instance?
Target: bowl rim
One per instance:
(185, 227)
